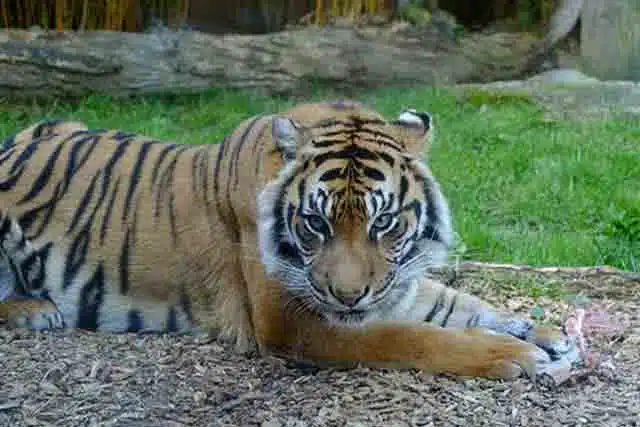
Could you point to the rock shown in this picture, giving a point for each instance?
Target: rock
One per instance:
(564, 76)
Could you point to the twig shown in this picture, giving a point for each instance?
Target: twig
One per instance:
(577, 271)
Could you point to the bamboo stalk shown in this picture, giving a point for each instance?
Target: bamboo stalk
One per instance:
(5, 13)
(44, 15)
(122, 13)
(59, 14)
(130, 18)
(28, 14)
(185, 11)
(318, 13)
(83, 17)
(19, 16)
(107, 17)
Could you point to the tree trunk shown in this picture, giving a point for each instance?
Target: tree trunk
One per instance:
(610, 39)
(119, 64)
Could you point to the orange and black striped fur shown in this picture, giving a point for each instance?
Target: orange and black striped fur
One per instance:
(307, 234)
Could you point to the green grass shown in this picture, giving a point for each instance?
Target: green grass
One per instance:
(522, 189)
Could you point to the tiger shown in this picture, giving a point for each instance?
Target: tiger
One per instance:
(306, 234)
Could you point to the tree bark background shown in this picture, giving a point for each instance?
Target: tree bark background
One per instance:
(68, 64)
(610, 39)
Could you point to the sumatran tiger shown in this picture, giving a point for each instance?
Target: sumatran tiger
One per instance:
(306, 234)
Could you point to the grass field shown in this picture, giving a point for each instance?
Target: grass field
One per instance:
(522, 188)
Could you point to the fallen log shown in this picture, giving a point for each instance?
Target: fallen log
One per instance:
(75, 64)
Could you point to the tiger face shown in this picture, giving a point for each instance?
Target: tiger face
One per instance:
(355, 215)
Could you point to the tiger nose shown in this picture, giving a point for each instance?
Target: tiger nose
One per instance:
(349, 298)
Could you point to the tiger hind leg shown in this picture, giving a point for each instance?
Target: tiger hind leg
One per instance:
(22, 303)
(30, 313)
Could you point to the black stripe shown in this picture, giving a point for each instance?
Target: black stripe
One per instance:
(76, 257)
(233, 165)
(437, 307)
(216, 174)
(350, 136)
(326, 143)
(6, 155)
(431, 233)
(91, 297)
(83, 204)
(374, 201)
(38, 282)
(329, 123)
(381, 140)
(332, 174)
(122, 136)
(135, 322)
(204, 178)
(172, 320)
(196, 166)
(31, 268)
(14, 270)
(77, 160)
(11, 182)
(259, 156)
(5, 226)
(24, 156)
(290, 212)
(185, 304)
(284, 249)
(158, 162)
(128, 244)
(404, 189)
(386, 157)
(372, 173)
(29, 217)
(107, 215)
(73, 164)
(124, 261)
(134, 179)
(452, 306)
(45, 174)
(111, 164)
(8, 143)
(172, 218)
(106, 180)
(353, 121)
(473, 320)
(301, 189)
(165, 182)
(45, 126)
(350, 152)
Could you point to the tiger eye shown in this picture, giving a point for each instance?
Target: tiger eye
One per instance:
(382, 222)
(315, 223)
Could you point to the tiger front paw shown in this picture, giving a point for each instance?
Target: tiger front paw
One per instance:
(497, 356)
(554, 348)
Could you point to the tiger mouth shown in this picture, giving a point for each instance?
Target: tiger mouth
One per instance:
(350, 316)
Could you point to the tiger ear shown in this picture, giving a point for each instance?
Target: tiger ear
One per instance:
(286, 134)
(416, 130)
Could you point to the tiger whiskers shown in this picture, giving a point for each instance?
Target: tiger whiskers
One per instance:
(416, 266)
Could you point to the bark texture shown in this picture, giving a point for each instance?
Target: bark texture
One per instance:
(120, 64)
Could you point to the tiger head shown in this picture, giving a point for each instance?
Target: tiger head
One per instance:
(354, 216)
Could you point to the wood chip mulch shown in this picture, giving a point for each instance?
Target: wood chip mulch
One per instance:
(76, 378)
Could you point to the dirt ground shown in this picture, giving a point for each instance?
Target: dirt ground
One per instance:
(84, 379)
